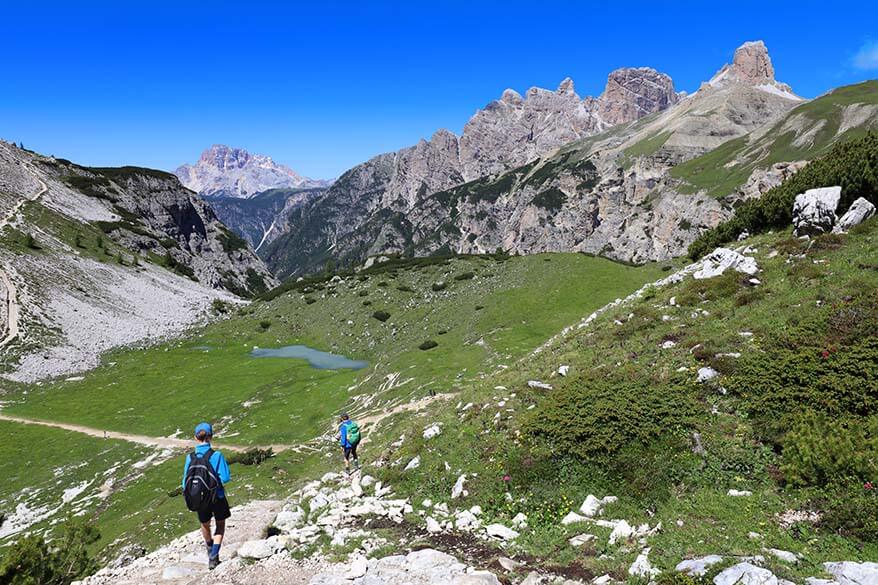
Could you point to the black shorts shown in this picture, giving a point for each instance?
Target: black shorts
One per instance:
(350, 451)
(218, 510)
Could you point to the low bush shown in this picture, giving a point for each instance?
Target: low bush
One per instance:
(405, 288)
(465, 276)
(429, 344)
(381, 315)
(310, 300)
(818, 451)
(439, 286)
(32, 561)
(254, 456)
(851, 510)
(265, 325)
(219, 306)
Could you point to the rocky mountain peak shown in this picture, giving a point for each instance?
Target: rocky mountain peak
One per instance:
(752, 65)
(233, 172)
(566, 87)
(634, 92)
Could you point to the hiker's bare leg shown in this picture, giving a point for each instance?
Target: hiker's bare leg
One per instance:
(219, 532)
(205, 531)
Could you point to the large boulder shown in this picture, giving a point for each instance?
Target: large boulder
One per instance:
(851, 573)
(860, 211)
(698, 567)
(722, 259)
(745, 574)
(814, 211)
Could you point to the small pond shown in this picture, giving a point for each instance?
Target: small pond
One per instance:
(316, 358)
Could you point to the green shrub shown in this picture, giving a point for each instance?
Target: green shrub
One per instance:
(851, 510)
(254, 456)
(310, 300)
(230, 241)
(849, 164)
(439, 286)
(429, 344)
(219, 306)
(405, 288)
(594, 417)
(363, 293)
(31, 561)
(367, 303)
(465, 276)
(265, 325)
(818, 450)
(31, 242)
(552, 199)
(820, 363)
(381, 315)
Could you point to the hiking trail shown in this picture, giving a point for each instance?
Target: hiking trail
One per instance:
(161, 442)
(11, 293)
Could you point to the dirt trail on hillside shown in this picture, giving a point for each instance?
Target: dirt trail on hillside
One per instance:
(413, 406)
(12, 308)
(162, 442)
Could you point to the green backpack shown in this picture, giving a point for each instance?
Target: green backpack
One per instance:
(353, 433)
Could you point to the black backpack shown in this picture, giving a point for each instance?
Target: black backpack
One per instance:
(201, 485)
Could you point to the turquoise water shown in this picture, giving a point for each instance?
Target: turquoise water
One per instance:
(316, 358)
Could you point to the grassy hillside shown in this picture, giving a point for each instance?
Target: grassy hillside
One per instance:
(806, 132)
(482, 313)
(853, 165)
(790, 418)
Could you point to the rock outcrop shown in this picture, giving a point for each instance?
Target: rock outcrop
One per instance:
(859, 211)
(752, 66)
(521, 178)
(814, 211)
(222, 171)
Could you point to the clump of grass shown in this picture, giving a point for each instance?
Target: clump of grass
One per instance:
(427, 345)
(439, 286)
(254, 456)
(265, 325)
(465, 276)
(381, 316)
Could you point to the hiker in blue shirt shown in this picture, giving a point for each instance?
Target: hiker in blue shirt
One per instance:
(218, 508)
(349, 437)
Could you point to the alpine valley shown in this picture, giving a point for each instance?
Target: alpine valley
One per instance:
(628, 338)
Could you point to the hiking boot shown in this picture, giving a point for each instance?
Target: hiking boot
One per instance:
(213, 563)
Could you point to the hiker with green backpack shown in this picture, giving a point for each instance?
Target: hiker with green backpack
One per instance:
(349, 437)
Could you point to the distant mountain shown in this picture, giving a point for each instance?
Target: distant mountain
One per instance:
(103, 257)
(262, 218)
(507, 133)
(222, 171)
(642, 190)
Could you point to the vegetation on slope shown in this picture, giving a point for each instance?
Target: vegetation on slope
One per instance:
(790, 418)
(806, 132)
(853, 165)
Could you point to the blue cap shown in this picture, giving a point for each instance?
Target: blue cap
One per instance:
(204, 427)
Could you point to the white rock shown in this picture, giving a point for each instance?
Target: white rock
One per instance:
(538, 384)
(367, 480)
(739, 493)
(357, 568)
(754, 536)
(669, 344)
(520, 520)
(851, 573)
(431, 431)
(466, 520)
(706, 374)
(581, 539)
(859, 211)
(572, 518)
(602, 580)
(814, 211)
(257, 549)
(500, 532)
(433, 526)
(414, 463)
(622, 531)
(458, 490)
(722, 259)
(563, 370)
(591, 506)
(784, 555)
(745, 574)
(177, 572)
(475, 578)
(641, 567)
(697, 567)
(428, 503)
(476, 510)
(508, 564)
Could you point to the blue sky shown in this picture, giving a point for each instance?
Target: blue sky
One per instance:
(325, 85)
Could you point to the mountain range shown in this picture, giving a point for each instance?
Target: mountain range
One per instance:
(222, 171)
(551, 171)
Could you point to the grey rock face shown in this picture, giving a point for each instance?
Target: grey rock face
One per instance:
(859, 211)
(814, 211)
(851, 573)
(632, 93)
(753, 66)
(234, 172)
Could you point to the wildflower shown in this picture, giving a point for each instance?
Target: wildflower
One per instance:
(868, 485)
(824, 354)
(506, 478)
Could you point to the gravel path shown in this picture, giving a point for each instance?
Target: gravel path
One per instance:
(162, 442)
